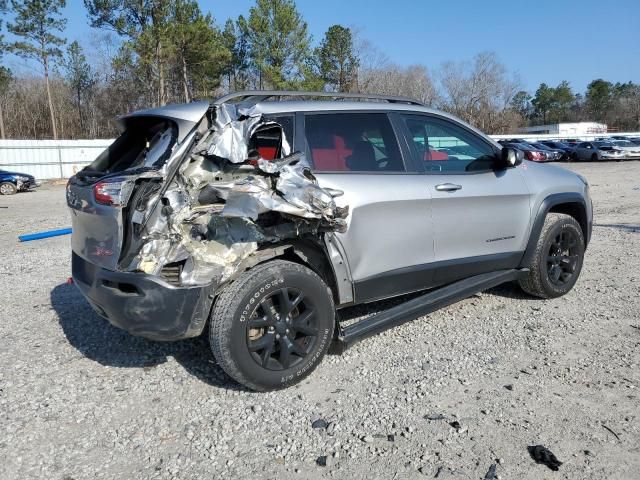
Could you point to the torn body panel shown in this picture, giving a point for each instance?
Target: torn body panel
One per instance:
(194, 206)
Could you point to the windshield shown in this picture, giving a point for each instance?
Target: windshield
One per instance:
(623, 143)
(603, 144)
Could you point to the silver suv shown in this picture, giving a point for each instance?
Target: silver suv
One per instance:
(262, 217)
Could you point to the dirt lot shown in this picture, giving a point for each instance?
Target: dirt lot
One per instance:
(80, 399)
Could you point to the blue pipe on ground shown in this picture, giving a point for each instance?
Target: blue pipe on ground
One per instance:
(47, 234)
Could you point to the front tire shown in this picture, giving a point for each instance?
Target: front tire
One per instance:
(8, 188)
(272, 326)
(594, 157)
(558, 258)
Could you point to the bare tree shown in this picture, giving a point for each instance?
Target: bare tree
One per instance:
(413, 81)
(477, 91)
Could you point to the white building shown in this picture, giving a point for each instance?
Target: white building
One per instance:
(567, 129)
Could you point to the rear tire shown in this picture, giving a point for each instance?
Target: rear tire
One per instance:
(272, 326)
(558, 258)
(8, 188)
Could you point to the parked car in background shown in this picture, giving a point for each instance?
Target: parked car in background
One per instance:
(631, 149)
(530, 152)
(570, 141)
(635, 140)
(13, 182)
(595, 151)
(565, 147)
(553, 154)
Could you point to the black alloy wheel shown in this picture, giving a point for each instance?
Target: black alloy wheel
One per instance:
(271, 326)
(282, 329)
(556, 263)
(562, 258)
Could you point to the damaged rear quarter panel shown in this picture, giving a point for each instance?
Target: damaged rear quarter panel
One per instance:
(225, 203)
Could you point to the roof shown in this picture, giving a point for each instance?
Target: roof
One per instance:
(188, 114)
(256, 96)
(338, 105)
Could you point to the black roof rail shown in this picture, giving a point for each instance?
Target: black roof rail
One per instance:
(259, 95)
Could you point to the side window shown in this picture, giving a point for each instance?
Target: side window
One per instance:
(352, 142)
(443, 146)
(583, 145)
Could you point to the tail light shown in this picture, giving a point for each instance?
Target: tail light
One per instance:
(108, 192)
(528, 155)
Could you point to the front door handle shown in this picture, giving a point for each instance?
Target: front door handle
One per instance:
(448, 187)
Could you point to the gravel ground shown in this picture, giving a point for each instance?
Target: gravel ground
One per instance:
(446, 396)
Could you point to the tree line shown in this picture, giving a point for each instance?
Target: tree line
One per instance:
(615, 104)
(154, 52)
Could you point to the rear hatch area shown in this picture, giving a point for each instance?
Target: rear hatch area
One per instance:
(189, 199)
(105, 196)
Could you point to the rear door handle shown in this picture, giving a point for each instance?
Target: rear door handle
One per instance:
(448, 187)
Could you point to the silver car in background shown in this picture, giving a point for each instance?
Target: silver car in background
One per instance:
(631, 149)
(598, 150)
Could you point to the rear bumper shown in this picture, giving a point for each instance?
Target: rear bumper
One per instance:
(143, 305)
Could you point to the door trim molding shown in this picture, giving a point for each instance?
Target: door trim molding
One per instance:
(430, 275)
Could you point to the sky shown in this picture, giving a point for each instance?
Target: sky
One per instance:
(541, 41)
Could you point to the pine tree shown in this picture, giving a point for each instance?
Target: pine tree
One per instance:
(199, 48)
(280, 44)
(5, 80)
(36, 23)
(338, 62)
(236, 39)
(146, 26)
(80, 77)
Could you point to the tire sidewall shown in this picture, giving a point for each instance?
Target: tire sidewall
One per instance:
(13, 189)
(559, 290)
(263, 285)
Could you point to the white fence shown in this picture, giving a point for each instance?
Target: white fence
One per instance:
(49, 159)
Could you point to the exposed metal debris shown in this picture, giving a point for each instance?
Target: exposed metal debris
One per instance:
(223, 202)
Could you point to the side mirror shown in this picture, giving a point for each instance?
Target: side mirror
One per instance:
(510, 157)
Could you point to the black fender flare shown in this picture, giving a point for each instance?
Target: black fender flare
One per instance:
(545, 207)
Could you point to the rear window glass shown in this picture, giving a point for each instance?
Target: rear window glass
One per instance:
(146, 143)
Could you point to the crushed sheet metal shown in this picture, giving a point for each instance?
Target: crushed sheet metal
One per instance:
(296, 193)
(214, 236)
(233, 127)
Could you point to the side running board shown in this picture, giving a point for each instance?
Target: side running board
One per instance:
(419, 306)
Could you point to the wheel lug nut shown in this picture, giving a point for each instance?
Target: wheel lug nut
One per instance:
(287, 330)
